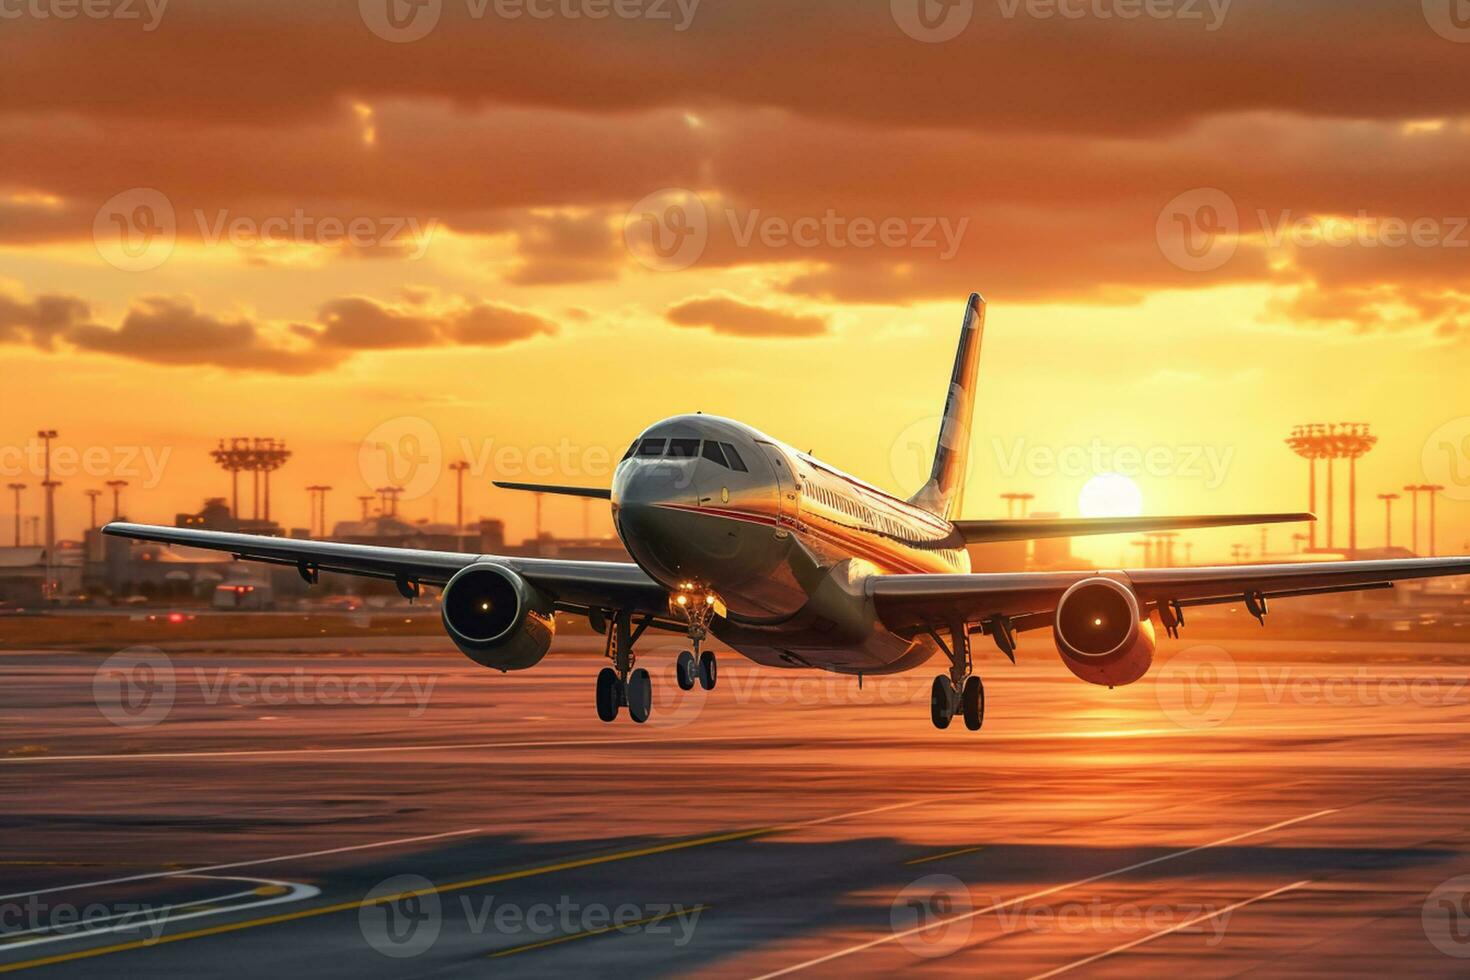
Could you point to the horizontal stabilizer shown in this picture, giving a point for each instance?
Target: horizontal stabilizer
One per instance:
(978, 532)
(593, 492)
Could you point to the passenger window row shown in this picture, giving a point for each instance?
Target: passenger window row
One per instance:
(716, 452)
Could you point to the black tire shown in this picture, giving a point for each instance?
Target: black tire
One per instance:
(640, 695)
(685, 669)
(708, 670)
(607, 694)
(939, 702)
(972, 702)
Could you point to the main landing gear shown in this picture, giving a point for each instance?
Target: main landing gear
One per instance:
(961, 692)
(623, 685)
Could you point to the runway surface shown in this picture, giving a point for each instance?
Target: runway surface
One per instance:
(1249, 809)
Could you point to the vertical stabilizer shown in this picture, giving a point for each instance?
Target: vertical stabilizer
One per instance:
(941, 494)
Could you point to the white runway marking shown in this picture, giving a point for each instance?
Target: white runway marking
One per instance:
(154, 918)
(1164, 932)
(243, 864)
(860, 947)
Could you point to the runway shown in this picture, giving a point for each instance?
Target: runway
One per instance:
(1249, 808)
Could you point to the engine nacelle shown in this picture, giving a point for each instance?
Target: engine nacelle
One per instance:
(1102, 634)
(497, 618)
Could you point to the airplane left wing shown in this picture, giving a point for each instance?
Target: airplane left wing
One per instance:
(909, 603)
(577, 584)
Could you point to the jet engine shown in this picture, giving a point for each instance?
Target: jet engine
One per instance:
(1101, 633)
(497, 618)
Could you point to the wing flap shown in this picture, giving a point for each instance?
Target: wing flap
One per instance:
(978, 532)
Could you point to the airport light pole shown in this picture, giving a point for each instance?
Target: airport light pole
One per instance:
(1413, 491)
(92, 496)
(459, 467)
(116, 486)
(1388, 499)
(16, 488)
(1432, 489)
(49, 486)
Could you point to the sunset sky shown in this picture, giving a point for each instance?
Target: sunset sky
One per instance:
(1196, 227)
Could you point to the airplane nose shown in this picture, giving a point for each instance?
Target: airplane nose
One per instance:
(646, 502)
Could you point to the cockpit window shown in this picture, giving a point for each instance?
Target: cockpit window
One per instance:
(713, 453)
(631, 449)
(736, 463)
(651, 447)
(684, 448)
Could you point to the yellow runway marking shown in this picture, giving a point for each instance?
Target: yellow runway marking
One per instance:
(947, 854)
(650, 920)
(569, 865)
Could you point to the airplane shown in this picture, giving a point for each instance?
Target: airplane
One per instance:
(795, 564)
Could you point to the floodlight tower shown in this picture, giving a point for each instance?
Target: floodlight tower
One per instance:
(233, 456)
(268, 456)
(1339, 440)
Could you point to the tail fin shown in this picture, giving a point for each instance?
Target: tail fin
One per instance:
(941, 495)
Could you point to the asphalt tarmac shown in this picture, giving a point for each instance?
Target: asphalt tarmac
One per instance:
(1249, 808)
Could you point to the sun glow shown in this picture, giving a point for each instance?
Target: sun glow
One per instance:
(1110, 495)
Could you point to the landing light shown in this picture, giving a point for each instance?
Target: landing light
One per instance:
(1097, 621)
(683, 600)
(484, 607)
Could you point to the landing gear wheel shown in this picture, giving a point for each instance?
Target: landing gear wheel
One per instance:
(608, 695)
(708, 672)
(972, 702)
(941, 702)
(685, 669)
(640, 695)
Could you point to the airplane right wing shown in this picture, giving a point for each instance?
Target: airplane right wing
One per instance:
(915, 603)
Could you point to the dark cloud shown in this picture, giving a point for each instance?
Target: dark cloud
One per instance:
(163, 330)
(172, 331)
(727, 315)
(1016, 66)
(358, 323)
(39, 321)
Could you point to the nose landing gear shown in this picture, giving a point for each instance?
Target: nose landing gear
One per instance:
(696, 608)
